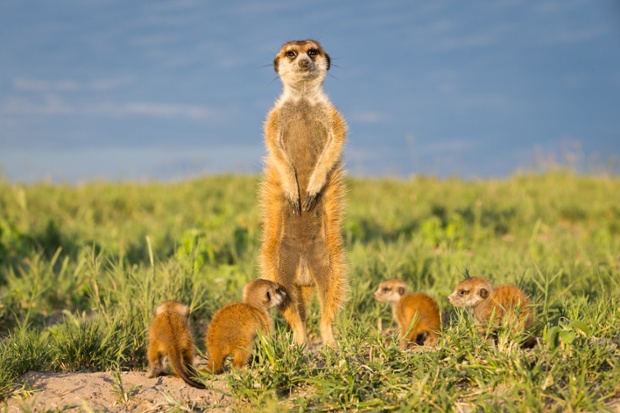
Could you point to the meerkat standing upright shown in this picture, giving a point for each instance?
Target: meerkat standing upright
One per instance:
(233, 327)
(417, 314)
(302, 191)
(170, 335)
(505, 305)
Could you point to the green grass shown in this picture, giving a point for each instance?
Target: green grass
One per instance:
(83, 267)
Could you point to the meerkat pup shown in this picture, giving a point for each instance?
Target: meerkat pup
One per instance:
(170, 335)
(505, 305)
(302, 190)
(417, 314)
(234, 327)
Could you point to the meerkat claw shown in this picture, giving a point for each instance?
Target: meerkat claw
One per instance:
(295, 206)
(309, 202)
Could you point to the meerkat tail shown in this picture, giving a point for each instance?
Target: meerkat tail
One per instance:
(181, 369)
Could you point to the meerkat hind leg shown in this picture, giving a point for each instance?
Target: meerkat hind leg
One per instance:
(216, 362)
(155, 361)
(188, 361)
(241, 357)
(307, 292)
(329, 299)
(294, 312)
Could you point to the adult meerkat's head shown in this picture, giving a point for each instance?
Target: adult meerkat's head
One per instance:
(471, 292)
(263, 293)
(301, 61)
(391, 291)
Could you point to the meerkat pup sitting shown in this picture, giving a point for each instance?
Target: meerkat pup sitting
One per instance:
(302, 191)
(170, 335)
(417, 314)
(234, 327)
(505, 305)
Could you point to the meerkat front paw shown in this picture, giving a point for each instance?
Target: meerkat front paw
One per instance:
(313, 192)
(294, 204)
(292, 196)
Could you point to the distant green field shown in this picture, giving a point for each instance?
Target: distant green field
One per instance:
(83, 267)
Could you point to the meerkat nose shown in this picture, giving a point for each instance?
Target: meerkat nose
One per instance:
(304, 63)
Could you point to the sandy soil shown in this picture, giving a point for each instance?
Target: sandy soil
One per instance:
(73, 392)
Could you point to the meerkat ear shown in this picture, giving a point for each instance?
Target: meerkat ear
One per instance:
(186, 311)
(329, 61)
(275, 63)
(401, 290)
(484, 293)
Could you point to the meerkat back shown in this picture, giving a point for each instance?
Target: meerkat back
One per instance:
(512, 308)
(234, 327)
(417, 315)
(170, 335)
(423, 311)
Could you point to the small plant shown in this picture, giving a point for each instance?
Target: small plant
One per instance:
(567, 333)
(117, 383)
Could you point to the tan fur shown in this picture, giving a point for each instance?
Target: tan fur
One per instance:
(302, 190)
(505, 305)
(417, 314)
(170, 335)
(234, 327)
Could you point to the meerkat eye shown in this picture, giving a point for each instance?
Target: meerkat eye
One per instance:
(463, 292)
(313, 52)
(291, 54)
(386, 289)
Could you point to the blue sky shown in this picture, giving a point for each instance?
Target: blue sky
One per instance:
(170, 89)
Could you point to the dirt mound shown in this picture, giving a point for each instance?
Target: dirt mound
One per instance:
(101, 391)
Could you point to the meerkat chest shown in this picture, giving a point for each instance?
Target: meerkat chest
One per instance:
(305, 131)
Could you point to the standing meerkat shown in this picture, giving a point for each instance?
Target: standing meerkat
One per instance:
(417, 314)
(234, 327)
(170, 335)
(505, 305)
(302, 191)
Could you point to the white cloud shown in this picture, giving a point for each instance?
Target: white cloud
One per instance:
(51, 105)
(447, 146)
(367, 117)
(567, 35)
(484, 37)
(156, 110)
(68, 85)
(55, 106)
(51, 99)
